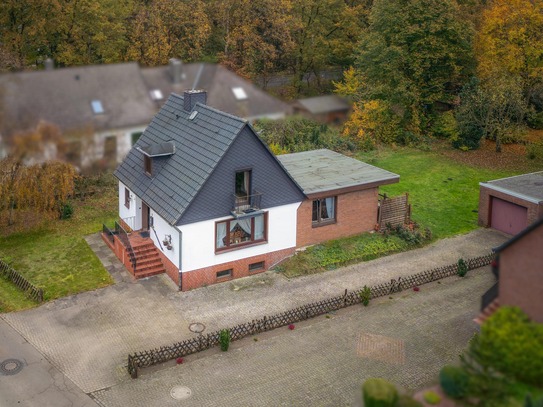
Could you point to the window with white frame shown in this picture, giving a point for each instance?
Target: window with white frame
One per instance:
(324, 211)
(239, 232)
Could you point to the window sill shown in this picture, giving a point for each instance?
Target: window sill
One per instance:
(240, 246)
(321, 224)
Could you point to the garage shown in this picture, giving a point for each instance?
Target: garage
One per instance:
(508, 217)
(511, 204)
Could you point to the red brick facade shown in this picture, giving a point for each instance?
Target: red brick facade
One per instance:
(171, 270)
(119, 251)
(240, 268)
(535, 211)
(356, 212)
(521, 274)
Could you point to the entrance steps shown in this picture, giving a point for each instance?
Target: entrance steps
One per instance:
(148, 262)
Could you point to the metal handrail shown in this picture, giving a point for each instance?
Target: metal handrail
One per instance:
(246, 203)
(123, 236)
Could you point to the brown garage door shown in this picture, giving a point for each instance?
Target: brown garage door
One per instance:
(508, 217)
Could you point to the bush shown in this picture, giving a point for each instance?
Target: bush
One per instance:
(431, 397)
(379, 393)
(534, 151)
(462, 269)
(224, 339)
(365, 295)
(454, 381)
(411, 234)
(66, 211)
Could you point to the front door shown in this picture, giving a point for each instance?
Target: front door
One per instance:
(145, 212)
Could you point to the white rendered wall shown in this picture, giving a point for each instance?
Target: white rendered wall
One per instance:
(199, 239)
(160, 229)
(124, 212)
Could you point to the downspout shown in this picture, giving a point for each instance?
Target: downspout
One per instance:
(180, 257)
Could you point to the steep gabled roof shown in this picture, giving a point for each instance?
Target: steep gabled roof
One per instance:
(99, 97)
(219, 83)
(200, 143)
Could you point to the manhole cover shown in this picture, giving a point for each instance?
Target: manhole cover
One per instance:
(180, 392)
(11, 366)
(197, 327)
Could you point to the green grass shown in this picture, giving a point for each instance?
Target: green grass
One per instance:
(444, 194)
(55, 255)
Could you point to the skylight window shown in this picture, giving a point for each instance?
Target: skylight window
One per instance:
(156, 94)
(239, 93)
(97, 107)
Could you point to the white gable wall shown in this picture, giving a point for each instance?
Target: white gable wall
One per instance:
(199, 239)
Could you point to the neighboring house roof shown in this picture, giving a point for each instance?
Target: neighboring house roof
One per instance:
(324, 104)
(101, 97)
(226, 91)
(519, 236)
(327, 171)
(200, 144)
(527, 186)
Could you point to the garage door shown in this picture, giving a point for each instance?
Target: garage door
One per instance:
(508, 217)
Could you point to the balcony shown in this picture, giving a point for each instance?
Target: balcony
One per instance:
(246, 205)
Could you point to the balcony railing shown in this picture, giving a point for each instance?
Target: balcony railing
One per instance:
(246, 204)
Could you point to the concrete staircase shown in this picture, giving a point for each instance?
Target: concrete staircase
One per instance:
(487, 312)
(148, 261)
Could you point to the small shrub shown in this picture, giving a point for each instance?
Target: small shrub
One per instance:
(66, 211)
(462, 268)
(379, 393)
(224, 339)
(531, 402)
(431, 397)
(365, 295)
(454, 381)
(534, 151)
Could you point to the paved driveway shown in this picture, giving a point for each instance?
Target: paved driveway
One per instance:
(88, 336)
(323, 362)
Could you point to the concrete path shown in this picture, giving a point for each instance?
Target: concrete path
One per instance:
(28, 379)
(88, 336)
(324, 361)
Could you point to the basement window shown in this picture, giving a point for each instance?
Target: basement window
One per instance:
(224, 273)
(256, 266)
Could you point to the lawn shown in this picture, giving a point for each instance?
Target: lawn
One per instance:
(444, 193)
(54, 254)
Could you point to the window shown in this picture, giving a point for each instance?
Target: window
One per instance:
(240, 232)
(127, 198)
(324, 210)
(239, 93)
(136, 136)
(224, 273)
(147, 164)
(256, 266)
(243, 183)
(97, 107)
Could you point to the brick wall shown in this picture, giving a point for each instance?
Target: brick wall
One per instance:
(535, 211)
(119, 251)
(171, 270)
(240, 268)
(521, 274)
(356, 212)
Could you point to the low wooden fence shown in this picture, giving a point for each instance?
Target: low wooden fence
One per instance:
(202, 342)
(21, 282)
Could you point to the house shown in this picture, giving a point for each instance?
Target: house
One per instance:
(511, 204)
(519, 268)
(203, 198)
(325, 109)
(98, 108)
(103, 109)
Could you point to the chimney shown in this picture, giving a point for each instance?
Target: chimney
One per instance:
(176, 70)
(49, 64)
(191, 97)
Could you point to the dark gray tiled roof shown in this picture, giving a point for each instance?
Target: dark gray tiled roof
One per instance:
(528, 186)
(218, 82)
(325, 170)
(64, 97)
(199, 146)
